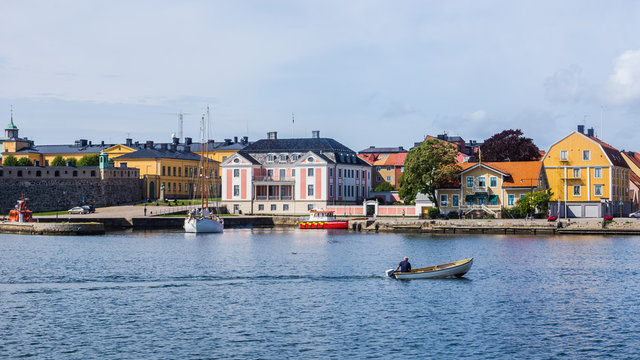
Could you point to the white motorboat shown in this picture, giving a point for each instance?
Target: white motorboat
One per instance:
(195, 223)
(452, 269)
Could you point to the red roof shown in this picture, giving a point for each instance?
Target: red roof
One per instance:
(519, 173)
(612, 153)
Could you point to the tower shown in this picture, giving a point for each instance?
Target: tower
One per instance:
(11, 131)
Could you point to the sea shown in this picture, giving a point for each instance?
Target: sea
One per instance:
(316, 294)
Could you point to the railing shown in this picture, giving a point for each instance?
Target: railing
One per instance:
(272, 178)
(274, 197)
(486, 208)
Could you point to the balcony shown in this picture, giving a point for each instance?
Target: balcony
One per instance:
(270, 180)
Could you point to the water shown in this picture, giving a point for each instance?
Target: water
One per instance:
(315, 294)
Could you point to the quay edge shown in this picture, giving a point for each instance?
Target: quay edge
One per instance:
(38, 228)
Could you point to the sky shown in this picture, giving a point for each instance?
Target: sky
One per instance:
(383, 73)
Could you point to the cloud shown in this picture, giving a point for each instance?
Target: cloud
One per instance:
(398, 109)
(623, 86)
(565, 86)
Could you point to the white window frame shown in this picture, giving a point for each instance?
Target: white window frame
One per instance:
(455, 200)
(493, 181)
(271, 158)
(564, 155)
(579, 192)
(236, 172)
(469, 181)
(576, 173)
(388, 178)
(588, 155)
(283, 157)
(310, 172)
(511, 199)
(597, 173)
(597, 189)
(236, 190)
(444, 200)
(310, 190)
(482, 179)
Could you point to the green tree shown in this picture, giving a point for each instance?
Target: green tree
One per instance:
(385, 186)
(58, 161)
(25, 162)
(426, 167)
(72, 161)
(534, 203)
(9, 160)
(88, 160)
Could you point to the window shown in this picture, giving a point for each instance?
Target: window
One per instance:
(310, 159)
(378, 168)
(388, 178)
(163, 171)
(339, 172)
(493, 181)
(597, 190)
(174, 186)
(586, 155)
(469, 181)
(493, 200)
(295, 157)
(597, 173)
(521, 196)
(283, 174)
(57, 173)
(331, 190)
(378, 178)
(310, 172)
(74, 173)
(38, 173)
(309, 207)
(576, 190)
(310, 190)
(236, 172)
(357, 173)
(388, 168)
(285, 207)
(363, 174)
(293, 172)
(511, 199)
(180, 187)
(330, 172)
(443, 200)
(273, 207)
(270, 173)
(236, 190)
(283, 157)
(174, 171)
(340, 190)
(576, 173)
(93, 173)
(271, 158)
(401, 168)
(455, 200)
(260, 207)
(564, 155)
(482, 181)
(180, 171)
(20, 173)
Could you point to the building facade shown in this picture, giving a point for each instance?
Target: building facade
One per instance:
(293, 176)
(387, 165)
(491, 186)
(588, 177)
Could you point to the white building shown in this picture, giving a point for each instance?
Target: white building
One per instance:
(292, 176)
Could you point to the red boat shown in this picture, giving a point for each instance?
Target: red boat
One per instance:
(323, 219)
(20, 213)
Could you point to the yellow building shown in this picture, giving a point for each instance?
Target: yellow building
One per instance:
(589, 178)
(169, 171)
(489, 187)
(388, 164)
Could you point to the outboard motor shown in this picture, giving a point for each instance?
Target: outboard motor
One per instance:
(390, 273)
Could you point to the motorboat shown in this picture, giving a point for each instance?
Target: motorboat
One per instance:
(452, 269)
(323, 219)
(20, 213)
(197, 222)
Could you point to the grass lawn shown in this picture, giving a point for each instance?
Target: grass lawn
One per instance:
(182, 202)
(60, 212)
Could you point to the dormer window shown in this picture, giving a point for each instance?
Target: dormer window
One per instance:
(295, 157)
(271, 158)
(283, 157)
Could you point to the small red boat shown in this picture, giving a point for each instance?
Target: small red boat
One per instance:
(323, 219)
(20, 213)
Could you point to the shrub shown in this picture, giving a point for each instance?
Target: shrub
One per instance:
(58, 161)
(434, 213)
(453, 215)
(385, 186)
(9, 160)
(25, 162)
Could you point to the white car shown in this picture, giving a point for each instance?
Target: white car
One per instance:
(635, 214)
(78, 210)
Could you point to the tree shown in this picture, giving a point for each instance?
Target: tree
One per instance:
(537, 202)
(24, 162)
(88, 160)
(509, 145)
(385, 186)
(58, 161)
(426, 167)
(71, 161)
(9, 160)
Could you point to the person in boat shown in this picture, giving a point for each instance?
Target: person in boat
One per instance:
(404, 266)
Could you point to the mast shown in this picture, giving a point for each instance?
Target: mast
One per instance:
(201, 167)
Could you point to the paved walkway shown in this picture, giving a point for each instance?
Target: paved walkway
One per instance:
(125, 211)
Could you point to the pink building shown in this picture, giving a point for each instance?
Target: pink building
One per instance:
(292, 176)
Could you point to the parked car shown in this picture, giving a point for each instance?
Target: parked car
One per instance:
(90, 208)
(635, 214)
(78, 210)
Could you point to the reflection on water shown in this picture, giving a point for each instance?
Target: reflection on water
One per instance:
(261, 293)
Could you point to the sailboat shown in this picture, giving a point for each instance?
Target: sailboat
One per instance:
(202, 220)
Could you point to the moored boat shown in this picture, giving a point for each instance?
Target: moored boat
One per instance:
(323, 219)
(20, 213)
(452, 269)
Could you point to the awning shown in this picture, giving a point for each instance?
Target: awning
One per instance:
(469, 197)
(493, 198)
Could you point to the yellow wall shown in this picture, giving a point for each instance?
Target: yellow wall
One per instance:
(558, 172)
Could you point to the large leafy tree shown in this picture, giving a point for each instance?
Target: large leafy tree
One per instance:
(426, 167)
(537, 202)
(9, 160)
(24, 162)
(509, 145)
(89, 160)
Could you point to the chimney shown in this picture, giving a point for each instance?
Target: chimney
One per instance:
(102, 143)
(163, 147)
(272, 135)
(235, 139)
(590, 132)
(245, 140)
(149, 144)
(186, 148)
(315, 134)
(173, 147)
(227, 141)
(137, 143)
(188, 141)
(89, 142)
(581, 129)
(175, 140)
(128, 141)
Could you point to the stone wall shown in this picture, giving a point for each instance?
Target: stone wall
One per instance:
(47, 194)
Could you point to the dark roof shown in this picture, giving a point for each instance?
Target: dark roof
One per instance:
(65, 149)
(160, 154)
(195, 147)
(612, 153)
(297, 145)
(382, 150)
